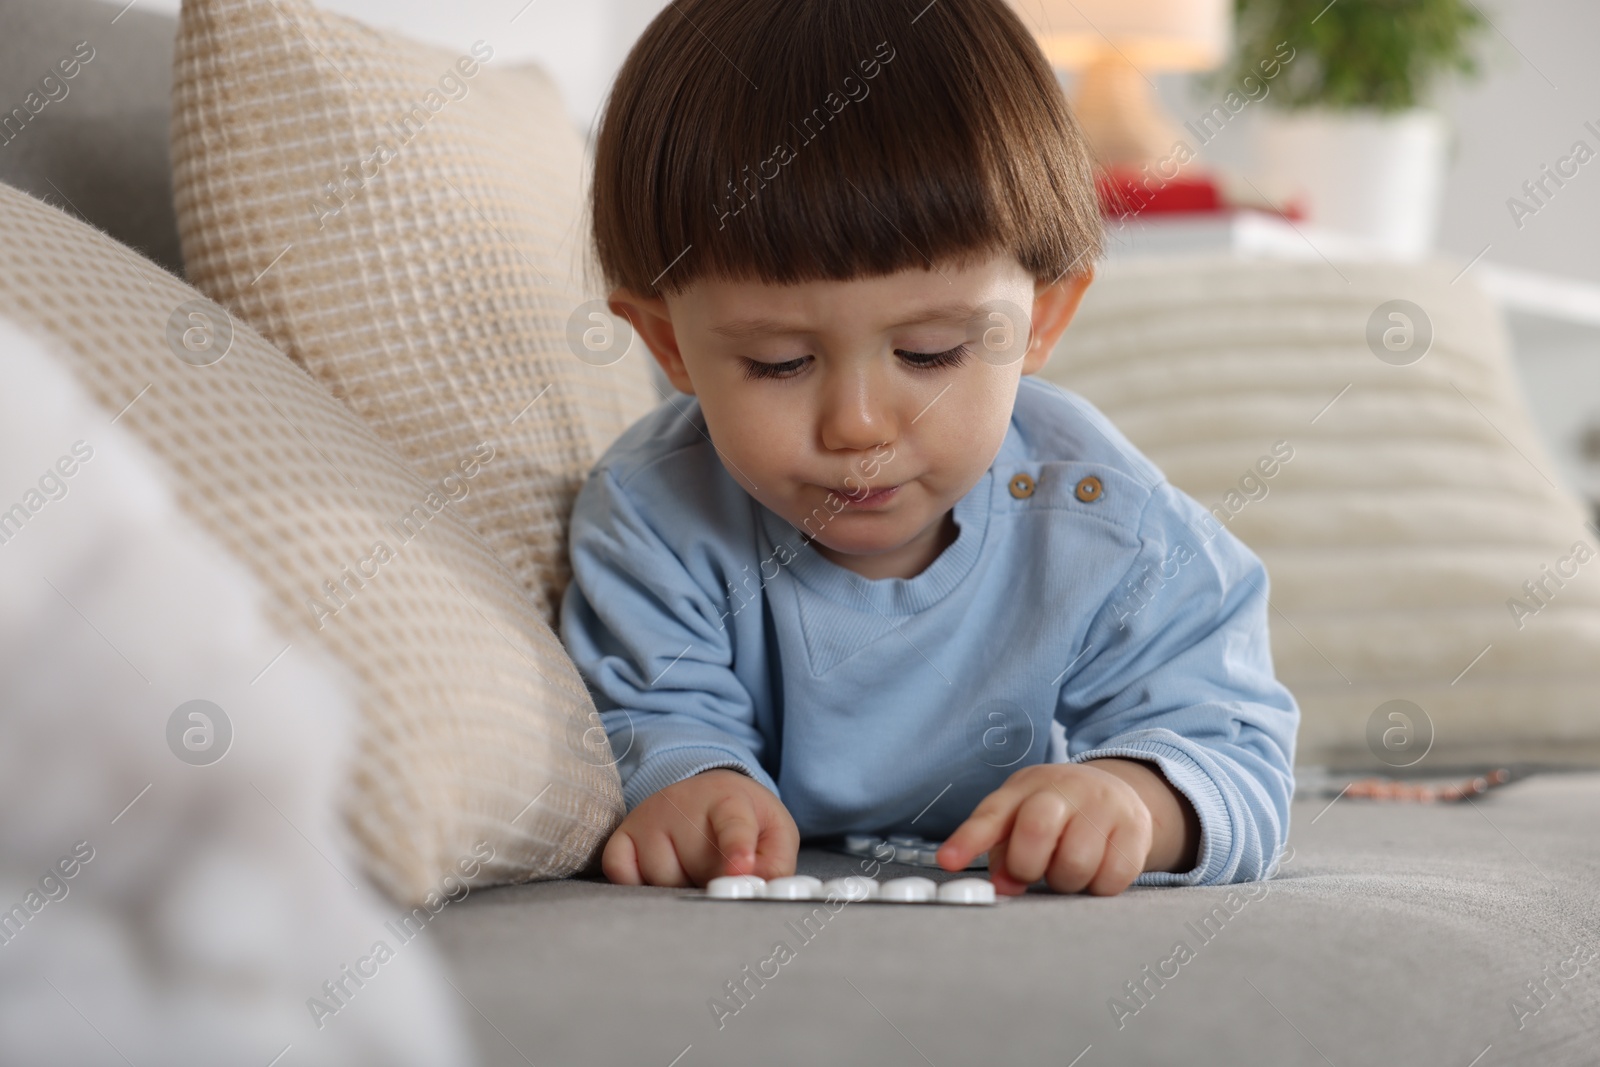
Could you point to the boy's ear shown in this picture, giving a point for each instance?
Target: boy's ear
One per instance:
(651, 320)
(1053, 308)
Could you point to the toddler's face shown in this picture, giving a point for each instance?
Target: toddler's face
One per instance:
(860, 411)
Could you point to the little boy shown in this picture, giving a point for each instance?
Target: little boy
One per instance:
(854, 578)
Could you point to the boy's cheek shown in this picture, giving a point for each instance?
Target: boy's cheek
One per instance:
(756, 437)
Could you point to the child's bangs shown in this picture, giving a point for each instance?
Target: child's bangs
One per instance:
(835, 140)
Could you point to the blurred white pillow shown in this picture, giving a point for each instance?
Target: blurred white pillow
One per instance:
(210, 898)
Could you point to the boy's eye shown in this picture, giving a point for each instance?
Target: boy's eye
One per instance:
(755, 369)
(926, 360)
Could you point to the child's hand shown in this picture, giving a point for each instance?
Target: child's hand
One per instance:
(1076, 825)
(717, 822)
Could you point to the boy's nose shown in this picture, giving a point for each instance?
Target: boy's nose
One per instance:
(854, 416)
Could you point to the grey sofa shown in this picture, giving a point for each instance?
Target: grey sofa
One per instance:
(1450, 934)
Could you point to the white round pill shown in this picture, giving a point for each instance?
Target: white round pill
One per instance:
(913, 890)
(850, 888)
(737, 887)
(794, 887)
(861, 844)
(967, 891)
(905, 840)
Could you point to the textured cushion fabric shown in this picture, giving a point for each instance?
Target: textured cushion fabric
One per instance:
(1400, 503)
(474, 718)
(1393, 934)
(406, 223)
(94, 143)
(154, 847)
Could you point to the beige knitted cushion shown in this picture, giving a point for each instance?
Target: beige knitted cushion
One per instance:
(474, 718)
(406, 223)
(1412, 512)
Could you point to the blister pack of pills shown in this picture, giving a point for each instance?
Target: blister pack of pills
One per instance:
(900, 848)
(852, 889)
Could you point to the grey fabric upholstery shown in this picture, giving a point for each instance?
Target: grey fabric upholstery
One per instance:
(1394, 934)
(101, 150)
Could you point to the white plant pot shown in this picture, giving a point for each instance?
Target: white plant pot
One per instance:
(1377, 177)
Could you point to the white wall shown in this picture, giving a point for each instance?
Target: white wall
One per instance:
(1514, 121)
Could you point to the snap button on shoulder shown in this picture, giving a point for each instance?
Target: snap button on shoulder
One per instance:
(1089, 489)
(1021, 486)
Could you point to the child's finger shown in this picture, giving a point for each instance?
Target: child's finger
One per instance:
(735, 833)
(1078, 856)
(659, 862)
(987, 826)
(1004, 884)
(1121, 863)
(620, 860)
(777, 848)
(1036, 835)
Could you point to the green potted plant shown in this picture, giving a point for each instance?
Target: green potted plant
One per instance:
(1347, 131)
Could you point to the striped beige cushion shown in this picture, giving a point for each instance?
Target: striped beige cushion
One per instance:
(431, 289)
(1418, 502)
(473, 717)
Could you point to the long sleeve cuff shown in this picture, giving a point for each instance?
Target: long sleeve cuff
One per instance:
(1190, 779)
(671, 765)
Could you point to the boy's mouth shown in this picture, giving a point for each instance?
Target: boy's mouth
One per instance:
(859, 501)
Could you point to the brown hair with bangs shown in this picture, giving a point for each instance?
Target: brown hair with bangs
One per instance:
(785, 141)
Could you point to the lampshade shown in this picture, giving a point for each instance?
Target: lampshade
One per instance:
(1152, 35)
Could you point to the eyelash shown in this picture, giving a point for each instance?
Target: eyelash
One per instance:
(757, 370)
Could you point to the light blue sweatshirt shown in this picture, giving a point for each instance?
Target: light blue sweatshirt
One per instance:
(712, 635)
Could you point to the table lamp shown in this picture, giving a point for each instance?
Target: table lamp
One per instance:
(1118, 45)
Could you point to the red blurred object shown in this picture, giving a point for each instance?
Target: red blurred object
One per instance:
(1125, 193)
